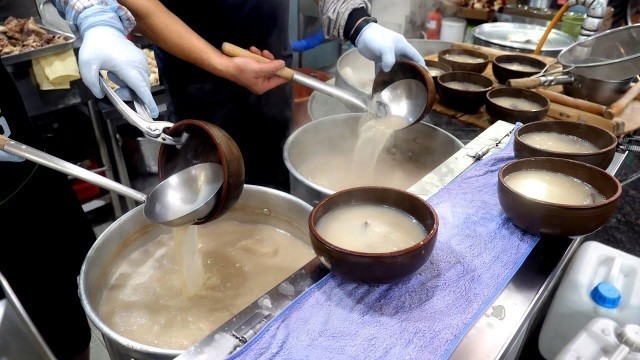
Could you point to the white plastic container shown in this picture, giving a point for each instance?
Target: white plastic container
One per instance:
(603, 338)
(600, 282)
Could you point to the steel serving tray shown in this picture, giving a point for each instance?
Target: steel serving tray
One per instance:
(43, 51)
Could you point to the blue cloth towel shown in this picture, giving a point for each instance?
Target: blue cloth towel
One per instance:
(423, 317)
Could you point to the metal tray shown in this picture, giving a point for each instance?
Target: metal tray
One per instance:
(43, 51)
(520, 37)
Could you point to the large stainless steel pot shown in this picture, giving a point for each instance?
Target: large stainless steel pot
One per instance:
(429, 145)
(117, 241)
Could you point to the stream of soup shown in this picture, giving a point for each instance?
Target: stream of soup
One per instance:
(241, 260)
(553, 187)
(370, 228)
(558, 142)
(369, 163)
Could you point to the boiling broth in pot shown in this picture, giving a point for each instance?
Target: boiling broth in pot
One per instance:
(242, 257)
(369, 162)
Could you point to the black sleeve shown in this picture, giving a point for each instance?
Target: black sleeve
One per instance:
(352, 20)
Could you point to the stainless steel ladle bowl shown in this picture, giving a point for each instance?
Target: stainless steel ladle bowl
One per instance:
(182, 199)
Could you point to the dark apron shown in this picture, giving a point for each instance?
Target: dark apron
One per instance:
(42, 260)
(258, 123)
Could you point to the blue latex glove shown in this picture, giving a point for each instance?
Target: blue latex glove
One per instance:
(6, 157)
(105, 47)
(384, 47)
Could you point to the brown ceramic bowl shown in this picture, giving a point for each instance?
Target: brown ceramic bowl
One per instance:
(468, 101)
(542, 217)
(605, 141)
(204, 142)
(375, 268)
(502, 67)
(476, 67)
(432, 64)
(513, 115)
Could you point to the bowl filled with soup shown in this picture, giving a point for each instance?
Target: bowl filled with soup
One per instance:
(557, 196)
(514, 66)
(437, 68)
(464, 60)
(516, 105)
(373, 235)
(568, 140)
(464, 91)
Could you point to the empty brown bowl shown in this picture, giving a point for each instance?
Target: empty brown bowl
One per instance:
(204, 142)
(375, 267)
(459, 60)
(604, 141)
(502, 106)
(507, 67)
(543, 217)
(468, 100)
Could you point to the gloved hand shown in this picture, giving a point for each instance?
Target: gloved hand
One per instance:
(5, 156)
(384, 47)
(105, 47)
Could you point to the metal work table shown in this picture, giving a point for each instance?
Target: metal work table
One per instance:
(499, 334)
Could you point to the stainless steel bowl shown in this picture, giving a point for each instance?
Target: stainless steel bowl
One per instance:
(520, 37)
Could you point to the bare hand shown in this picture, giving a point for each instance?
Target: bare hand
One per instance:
(256, 76)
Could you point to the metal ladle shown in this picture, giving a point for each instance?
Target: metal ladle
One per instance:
(407, 90)
(182, 199)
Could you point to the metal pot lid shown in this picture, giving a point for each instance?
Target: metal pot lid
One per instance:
(522, 36)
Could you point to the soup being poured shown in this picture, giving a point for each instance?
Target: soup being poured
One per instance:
(463, 58)
(520, 67)
(370, 228)
(369, 162)
(461, 85)
(517, 103)
(558, 142)
(553, 187)
(242, 258)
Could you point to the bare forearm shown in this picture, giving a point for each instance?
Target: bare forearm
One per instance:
(159, 25)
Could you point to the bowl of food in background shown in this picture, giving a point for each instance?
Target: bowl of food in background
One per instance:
(507, 67)
(463, 90)
(437, 68)
(568, 140)
(556, 196)
(516, 105)
(464, 60)
(374, 235)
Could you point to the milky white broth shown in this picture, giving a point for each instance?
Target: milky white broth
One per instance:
(461, 85)
(558, 142)
(242, 259)
(370, 228)
(463, 58)
(553, 187)
(516, 103)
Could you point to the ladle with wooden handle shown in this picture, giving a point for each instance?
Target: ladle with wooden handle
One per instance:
(182, 199)
(407, 90)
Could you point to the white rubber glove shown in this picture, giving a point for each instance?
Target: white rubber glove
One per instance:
(384, 47)
(105, 47)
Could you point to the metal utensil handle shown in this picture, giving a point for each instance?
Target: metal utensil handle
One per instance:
(52, 162)
(153, 130)
(302, 79)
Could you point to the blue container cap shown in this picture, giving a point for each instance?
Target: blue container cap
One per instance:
(606, 295)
